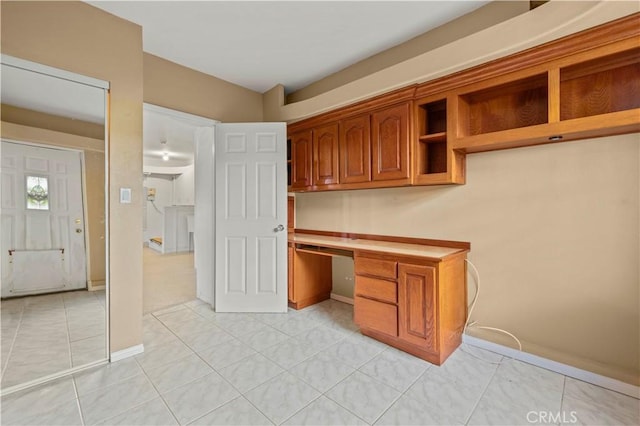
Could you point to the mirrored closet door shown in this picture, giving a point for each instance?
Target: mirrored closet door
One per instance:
(53, 223)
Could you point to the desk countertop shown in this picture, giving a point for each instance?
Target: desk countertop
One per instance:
(427, 251)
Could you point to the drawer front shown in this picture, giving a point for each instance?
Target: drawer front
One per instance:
(376, 267)
(378, 316)
(386, 291)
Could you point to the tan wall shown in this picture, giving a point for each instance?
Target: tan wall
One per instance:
(80, 38)
(93, 150)
(554, 232)
(554, 229)
(31, 118)
(177, 87)
(484, 17)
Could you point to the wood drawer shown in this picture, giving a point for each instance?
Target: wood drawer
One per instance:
(386, 291)
(378, 316)
(376, 267)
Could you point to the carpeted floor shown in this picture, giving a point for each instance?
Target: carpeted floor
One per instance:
(169, 279)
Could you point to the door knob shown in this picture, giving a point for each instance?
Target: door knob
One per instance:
(278, 228)
(78, 231)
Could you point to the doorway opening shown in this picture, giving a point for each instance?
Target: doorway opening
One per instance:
(168, 214)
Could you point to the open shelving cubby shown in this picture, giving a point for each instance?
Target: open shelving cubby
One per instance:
(432, 138)
(514, 104)
(600, 86)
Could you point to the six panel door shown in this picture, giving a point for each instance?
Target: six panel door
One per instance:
(390, 144)
(417, 305)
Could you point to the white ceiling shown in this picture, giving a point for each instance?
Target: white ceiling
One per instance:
(261, 44)
(176, 132)
(254, 44)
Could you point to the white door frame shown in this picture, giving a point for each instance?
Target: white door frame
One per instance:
(99, 84)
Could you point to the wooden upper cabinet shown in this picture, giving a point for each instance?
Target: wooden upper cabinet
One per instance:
(355, 149)
(390, 143)
(417, 305)
(325, 155)
(301, 153)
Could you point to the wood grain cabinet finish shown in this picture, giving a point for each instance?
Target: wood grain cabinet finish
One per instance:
(582, 86)
(309, 278)
(417, 305)
(325, 155)
(422, 311)
(301, 153)
(355, 149)
(390, 143)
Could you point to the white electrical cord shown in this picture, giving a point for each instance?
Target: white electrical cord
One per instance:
(473, 324)
(153, 203)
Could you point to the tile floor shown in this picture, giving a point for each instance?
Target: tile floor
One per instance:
(305, 367)
(46, 334)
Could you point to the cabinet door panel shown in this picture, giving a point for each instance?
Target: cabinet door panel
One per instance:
(417, 305)
(325, 155)
(390, 130)
(355, 150)
(301, 153)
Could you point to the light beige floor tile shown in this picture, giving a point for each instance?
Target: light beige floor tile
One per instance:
(178, 373)
(238, 412)
(365, 397)
(198, 398)
(322, 371)
(151, 413)
(324, 412)
(288, 352)
(282, 396)
(250, 372)
(395, 370)
(106, 375)
(113, 400)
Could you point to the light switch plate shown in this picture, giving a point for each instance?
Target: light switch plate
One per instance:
(125, 195)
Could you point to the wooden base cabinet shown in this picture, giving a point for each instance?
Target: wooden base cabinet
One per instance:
(413, 304)
(309, 278)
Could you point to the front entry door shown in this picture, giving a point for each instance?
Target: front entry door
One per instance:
(250, 217)
(42, 220)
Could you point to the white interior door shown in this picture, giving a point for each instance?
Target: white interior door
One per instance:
(250, 217)
(42, 220)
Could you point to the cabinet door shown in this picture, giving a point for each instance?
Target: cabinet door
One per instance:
(417, 305)
(301, 153)
(355, 150)
(325, 155)
(390, 131)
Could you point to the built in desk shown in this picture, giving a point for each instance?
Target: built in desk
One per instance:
(409, 292)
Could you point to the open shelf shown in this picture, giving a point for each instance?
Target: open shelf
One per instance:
(600, 86)
(515, 104)
(432, 138)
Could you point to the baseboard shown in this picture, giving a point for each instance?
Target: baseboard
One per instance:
(344, 299)
(95, 285)
(558, 367)
(126, 353)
